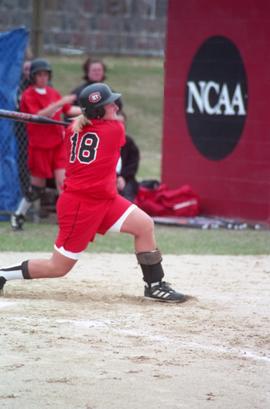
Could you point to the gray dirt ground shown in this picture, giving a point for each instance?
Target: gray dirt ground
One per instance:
(90, 341)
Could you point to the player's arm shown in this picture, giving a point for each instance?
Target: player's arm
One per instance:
(51, 109)
(74, 110)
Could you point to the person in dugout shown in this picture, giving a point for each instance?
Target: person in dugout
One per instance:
(90, 203)
(46, 151)
(127, 169)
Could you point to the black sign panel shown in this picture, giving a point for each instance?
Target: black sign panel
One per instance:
(216, 98)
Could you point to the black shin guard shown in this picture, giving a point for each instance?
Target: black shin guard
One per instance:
(34, 193)
(150, 263)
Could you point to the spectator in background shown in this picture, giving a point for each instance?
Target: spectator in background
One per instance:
(94, 70)
(46, 152)
(25, 78)
(127, 185)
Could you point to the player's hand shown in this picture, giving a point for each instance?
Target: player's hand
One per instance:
(68, 99)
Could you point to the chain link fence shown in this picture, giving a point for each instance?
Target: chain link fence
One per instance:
(22, 146)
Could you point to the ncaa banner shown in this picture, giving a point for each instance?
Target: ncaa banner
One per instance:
(12, 50)
(216, 120)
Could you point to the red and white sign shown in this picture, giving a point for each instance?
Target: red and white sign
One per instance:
(216, 135)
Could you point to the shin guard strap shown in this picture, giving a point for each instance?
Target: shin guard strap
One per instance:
(25, 271)
(149, 257)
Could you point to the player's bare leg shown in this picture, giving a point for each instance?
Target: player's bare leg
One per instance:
(39, 182)
(141, 226)
(57, 265)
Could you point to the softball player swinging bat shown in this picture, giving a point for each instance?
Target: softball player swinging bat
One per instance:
(90, 203)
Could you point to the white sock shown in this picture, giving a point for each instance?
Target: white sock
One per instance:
(12, 275)
(157, 283)
(153, 284)
(24, 205)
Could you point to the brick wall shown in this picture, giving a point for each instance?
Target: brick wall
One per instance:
(134, 27)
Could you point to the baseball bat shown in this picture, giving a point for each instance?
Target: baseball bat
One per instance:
(24, 117)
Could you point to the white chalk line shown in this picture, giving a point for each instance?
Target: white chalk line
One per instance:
(5, 303)
(195, 345)
(108, 323)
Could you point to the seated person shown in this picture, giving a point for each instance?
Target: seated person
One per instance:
(127, 184)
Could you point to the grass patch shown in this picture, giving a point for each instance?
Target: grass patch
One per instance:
(171, 240)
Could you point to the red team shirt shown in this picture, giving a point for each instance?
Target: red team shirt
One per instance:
(92, 158)
(43, 136)
(90, 203)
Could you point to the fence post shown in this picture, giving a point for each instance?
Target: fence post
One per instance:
(37, 27)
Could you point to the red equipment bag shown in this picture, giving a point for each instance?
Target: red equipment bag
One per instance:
(161, 201)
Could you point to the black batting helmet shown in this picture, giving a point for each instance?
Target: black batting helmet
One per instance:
(39, 64)
(93, 98)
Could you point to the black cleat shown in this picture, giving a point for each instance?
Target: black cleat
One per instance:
(17, 221)
(2, 283)
(163, 292)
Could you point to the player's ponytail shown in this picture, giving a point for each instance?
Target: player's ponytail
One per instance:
(80, 122)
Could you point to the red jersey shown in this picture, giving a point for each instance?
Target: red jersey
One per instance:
(43, 136)
(93, 154)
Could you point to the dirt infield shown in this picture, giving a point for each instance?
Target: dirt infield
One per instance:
(90, 341)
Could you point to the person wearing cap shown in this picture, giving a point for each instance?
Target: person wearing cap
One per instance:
(46, 154)
(94, 70)
(90, 203)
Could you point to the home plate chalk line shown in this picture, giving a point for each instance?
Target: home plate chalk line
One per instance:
(5, 303)
(114, 326)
